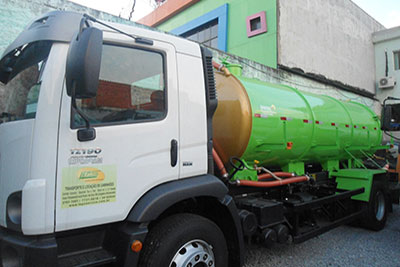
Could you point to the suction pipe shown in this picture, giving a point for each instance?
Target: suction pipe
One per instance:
(224, 173)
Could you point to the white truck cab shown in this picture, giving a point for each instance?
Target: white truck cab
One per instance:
(88, 164)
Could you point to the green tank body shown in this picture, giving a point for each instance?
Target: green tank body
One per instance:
(278, 125)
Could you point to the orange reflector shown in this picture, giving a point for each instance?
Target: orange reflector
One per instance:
(136, 246)
(289, 145)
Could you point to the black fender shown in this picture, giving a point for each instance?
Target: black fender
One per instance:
(153, 203)
(160, 198)
(231, 206)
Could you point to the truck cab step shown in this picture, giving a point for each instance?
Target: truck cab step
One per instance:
(88, 258)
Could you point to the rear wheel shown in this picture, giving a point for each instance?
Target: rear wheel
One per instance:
(376, 210)
(185, 240)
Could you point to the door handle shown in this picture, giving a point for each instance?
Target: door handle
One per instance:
(174, 152)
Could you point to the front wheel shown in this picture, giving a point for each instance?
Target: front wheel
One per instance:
(184, 240)
(376, 210)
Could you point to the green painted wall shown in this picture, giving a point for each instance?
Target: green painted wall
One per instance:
(261, 48)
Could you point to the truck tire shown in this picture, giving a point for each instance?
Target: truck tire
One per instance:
(183, 240)
(376, 209)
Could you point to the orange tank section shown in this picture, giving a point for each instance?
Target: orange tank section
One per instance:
(231, 132)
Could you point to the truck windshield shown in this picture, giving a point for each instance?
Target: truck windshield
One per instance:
(19, 97)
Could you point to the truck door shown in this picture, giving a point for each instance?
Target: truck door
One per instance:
(135, 116)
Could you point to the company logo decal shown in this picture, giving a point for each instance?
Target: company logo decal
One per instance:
(83, 186)
(90, 175)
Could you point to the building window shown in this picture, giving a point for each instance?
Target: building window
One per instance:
(256, 24)
(209, 29)
(131, 88)
(206, 34)
(396, 55)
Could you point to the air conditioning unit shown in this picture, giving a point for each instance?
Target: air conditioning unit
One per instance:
(387, 82)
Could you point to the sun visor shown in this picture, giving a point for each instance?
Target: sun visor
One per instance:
(55, 26)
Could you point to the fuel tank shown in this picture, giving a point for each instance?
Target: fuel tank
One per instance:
(278, 125)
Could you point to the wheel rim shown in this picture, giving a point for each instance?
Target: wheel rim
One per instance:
(195, 253)
(379, 205)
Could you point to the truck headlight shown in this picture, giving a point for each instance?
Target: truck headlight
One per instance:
(14, 205)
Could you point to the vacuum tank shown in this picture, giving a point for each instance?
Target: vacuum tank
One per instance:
(280, 126)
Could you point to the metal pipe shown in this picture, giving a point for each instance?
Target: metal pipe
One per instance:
(278, 174)
(220, 164)
(292, 180)
(221, 67)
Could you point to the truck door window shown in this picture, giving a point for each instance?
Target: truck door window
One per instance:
(131, 88)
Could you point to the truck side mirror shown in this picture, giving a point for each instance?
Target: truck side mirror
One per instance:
(385, 120)
(391, 117)
(83, 63)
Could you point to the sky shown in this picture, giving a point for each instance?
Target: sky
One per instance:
(120, 7)
(387, 12)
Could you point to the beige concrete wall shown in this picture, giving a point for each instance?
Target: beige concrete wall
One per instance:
(328, 37)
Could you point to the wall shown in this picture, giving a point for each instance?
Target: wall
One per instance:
(260, 48)
(387, 40)
(328, 37)
(16, 14)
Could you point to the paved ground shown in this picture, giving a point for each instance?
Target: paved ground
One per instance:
(343, 246)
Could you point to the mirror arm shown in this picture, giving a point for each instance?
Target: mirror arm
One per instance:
(88, 133)
(75, 107)
(84, 22)
(389, 98)
(83, 116)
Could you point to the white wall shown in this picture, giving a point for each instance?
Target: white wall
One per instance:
(387, 40)
(328, 37)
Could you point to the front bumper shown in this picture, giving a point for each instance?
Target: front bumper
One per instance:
(19, 250)
(96, 246)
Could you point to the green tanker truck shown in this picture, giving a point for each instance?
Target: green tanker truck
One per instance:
(280, 127)
(267, 133)
(126, 146)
